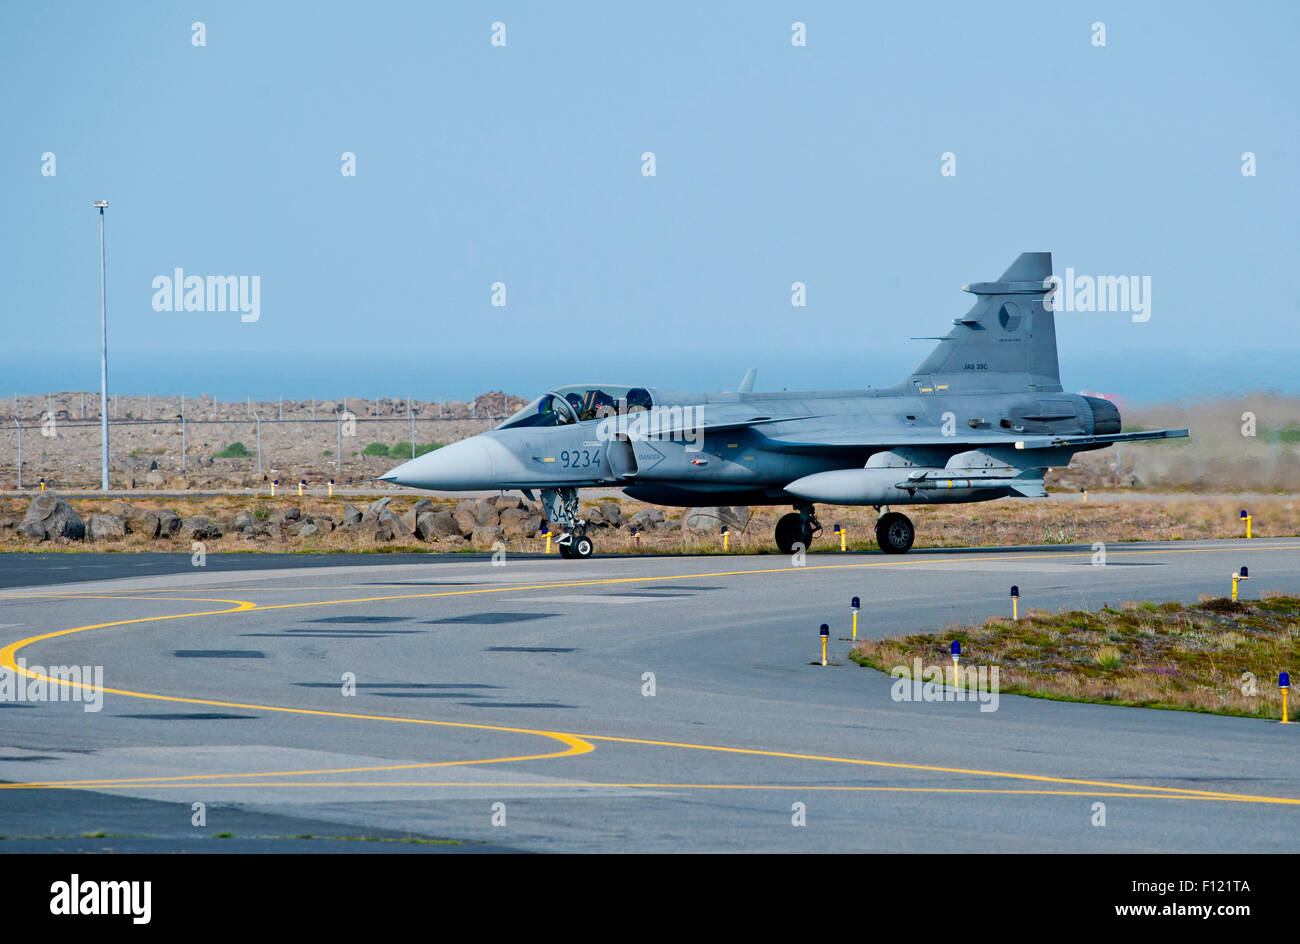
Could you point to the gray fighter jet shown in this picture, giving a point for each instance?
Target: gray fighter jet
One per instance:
(983, 417)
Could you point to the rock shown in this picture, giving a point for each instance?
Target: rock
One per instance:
(105, 528)
(440, 524)
(505, 502)
(612, 513)
(308, 531)
(594, 517)
(519, 522)
(138, 520)
(199, 528)
(409, 520)
(50, 518)
(486, 513)
(390, 529)
(376, 509)
(452, 540)
(153, 465)
(325, 523)
(351, 515)
(292, 514)
(8, 524)
(512, 521)
(711, 519)
(487, 536)
(168, 523)
(242, 520)
(422, 506)
(155, 478)
(647, 519)
(465, 520)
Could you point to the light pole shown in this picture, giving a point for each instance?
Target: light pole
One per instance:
(103, 355)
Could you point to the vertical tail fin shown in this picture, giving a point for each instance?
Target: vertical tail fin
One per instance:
(1006, 342)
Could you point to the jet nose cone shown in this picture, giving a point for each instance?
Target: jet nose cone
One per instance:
(463, 466)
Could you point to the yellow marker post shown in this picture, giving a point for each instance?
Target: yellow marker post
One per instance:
(301, 483)
(1015, 601)
(844, 537)
(547, 532)
(956, 660)
(1246, 518)
(1284, 683)
(1085, 493)
(274, 483)
(42, 485)
(331, 488)
(826, 635)
(1243, 574)
(726, 538)
(854, 607)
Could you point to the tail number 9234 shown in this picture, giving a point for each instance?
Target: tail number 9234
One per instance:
(579, 458)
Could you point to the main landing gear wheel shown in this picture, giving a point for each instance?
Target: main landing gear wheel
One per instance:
(895, 533)
(791, 530)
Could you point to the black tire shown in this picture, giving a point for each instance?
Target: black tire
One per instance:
(566, 551)
(791, 531)
(895, 533)
(581, 547)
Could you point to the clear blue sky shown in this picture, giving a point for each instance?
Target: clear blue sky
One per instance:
(775, 164)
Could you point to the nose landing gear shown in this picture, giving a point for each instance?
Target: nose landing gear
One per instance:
(561, 506)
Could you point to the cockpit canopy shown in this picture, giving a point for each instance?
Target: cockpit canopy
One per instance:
(578, 403)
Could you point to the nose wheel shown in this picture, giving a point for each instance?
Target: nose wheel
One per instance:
(895, 533)
(576, 546)
(561, 506)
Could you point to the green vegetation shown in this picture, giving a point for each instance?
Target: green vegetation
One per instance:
(401, 450)
(1217, 656)
(236, 450)
(1287, 435)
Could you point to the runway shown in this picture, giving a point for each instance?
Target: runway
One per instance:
(506, 707)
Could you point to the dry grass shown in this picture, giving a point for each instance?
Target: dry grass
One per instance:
(1209, 657)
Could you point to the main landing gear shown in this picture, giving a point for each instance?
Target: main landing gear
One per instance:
(561, 506)
(798, 527)
(895, 533)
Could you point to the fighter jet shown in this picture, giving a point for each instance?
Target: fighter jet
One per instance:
(983, 417)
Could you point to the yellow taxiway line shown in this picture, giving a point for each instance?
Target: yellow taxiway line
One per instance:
(574, 743)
